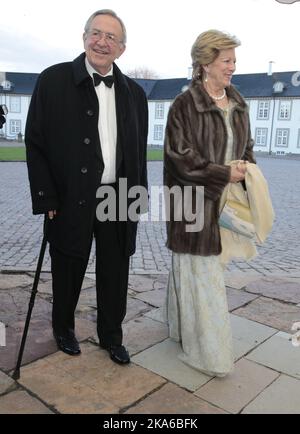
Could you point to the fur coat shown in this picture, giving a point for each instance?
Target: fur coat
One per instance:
(194, 155)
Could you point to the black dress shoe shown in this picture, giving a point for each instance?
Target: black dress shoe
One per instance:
(118, 354)
(68, 344)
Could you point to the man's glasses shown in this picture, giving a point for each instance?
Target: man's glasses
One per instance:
(110, 38)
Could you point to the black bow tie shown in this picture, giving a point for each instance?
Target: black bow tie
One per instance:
(108, 80)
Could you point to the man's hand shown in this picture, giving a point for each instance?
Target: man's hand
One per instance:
(51, 214)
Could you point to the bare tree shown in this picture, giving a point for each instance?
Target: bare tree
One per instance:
(142, 72)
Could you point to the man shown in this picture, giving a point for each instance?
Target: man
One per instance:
(3, 113)
(83, 133)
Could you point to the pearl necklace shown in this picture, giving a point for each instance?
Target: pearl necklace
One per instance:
(218, 98)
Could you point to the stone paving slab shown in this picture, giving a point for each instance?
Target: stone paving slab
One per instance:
(87, 300)
(248, 335)
(161, 281)
(135, 308)
(140, 283)
(235, 391)
(20, 402)
(142, 333)
(158, 314)
(6, 383)
(237, 298)
(12, 281)
(91, 380)
(162, 359)
(274, 313)
(239, 279)
(44, 276)
(46, 287)
(63, 392)
(156, 298)
(250, 331)
(171, 399)
(40, 341)
(281, 397)
(279, 289)
(278, 353)
(14, 305)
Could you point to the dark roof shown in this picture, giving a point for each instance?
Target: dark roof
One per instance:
(168, 88)
(23, 83)
(249, 85)
(147, 85)
(261, 85)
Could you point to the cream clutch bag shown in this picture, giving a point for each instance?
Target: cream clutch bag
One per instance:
(237, 217)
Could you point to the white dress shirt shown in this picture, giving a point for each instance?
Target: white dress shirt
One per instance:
(107, 126)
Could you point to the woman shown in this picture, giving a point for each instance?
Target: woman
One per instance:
(208, 126)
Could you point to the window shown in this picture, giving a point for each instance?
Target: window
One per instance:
(15, 126)
(7, 85)
(158, 132)
(263, 110)
(282, 137)
(298, 142)
(285, 110)
(159, 110)
(278, 87)
(261, 136)
(15, 104)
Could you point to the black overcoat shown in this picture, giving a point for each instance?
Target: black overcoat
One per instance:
(63, 150)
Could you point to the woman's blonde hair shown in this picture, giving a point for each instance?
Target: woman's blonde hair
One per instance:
(207, 48)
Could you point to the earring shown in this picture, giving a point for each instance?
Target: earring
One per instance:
(205, 75)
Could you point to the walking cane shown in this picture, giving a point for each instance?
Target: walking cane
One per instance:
(16, 374)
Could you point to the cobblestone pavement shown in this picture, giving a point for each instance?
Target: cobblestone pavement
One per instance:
(20, 232)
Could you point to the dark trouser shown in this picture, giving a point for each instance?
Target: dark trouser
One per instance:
(112, 268)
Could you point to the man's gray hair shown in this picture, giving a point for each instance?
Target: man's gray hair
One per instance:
(112, 14)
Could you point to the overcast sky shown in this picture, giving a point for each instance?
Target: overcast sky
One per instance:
(35, 34)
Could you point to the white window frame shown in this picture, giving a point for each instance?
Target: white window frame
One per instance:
(261, 133)
(158, 132)
(285, 110)
(15, 126)
(159, 110)
(15, 104)
(282, 136)
(263, 111)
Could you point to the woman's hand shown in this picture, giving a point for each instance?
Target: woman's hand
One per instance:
(242, 166)
(238, 171)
